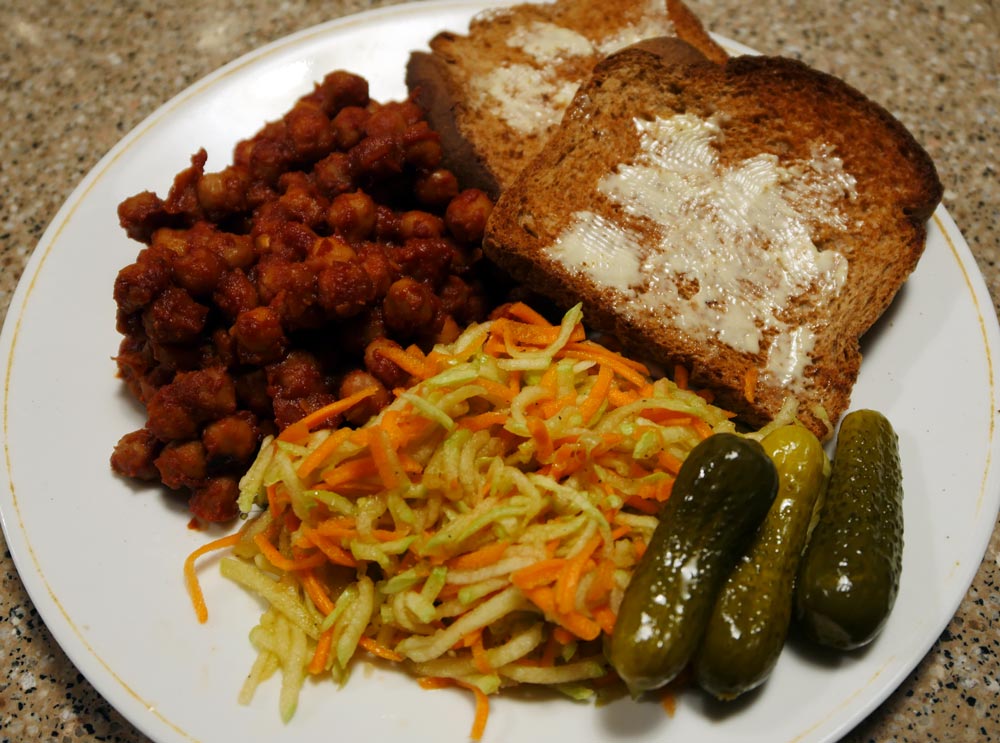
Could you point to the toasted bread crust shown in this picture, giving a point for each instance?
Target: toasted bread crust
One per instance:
(690, 29)
(766, 105)
(438, 93)
(480, 143)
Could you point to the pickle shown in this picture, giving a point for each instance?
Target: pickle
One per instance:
(722, 493)
(750, 619)
(849, 576)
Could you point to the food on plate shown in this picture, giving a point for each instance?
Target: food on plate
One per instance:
(849, 576)
(749, 621)
(748, 221)
(284, 281)
(447, 481)
(498, 92)
(721, 495)
(481, 529)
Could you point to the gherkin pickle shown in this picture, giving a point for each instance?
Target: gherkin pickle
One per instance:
(849, 576)
(721, 495)
(750, 619)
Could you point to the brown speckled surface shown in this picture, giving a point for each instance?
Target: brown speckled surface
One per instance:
(76, 76)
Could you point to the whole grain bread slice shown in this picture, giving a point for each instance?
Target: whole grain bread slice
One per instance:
(496, 93)
(747, 221)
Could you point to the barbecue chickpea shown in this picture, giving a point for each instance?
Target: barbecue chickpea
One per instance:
(352, 215)
(348, 126)
(410, 307)
(358, 381)
(259, 336)
(436, 188)
(182, 464)
(328, 250)
(215, 499)
(135, 453)
(422, 146)
(386, 121)
(223, 193)
(174, 317)
(334, 173)
(198, 269)
(309, 131)
(466, 215)
(417, 223)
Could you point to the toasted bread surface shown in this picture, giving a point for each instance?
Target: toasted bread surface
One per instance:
(496, 93)
(749, 221)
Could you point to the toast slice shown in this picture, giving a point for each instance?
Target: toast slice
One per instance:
(748, 221)
(496, 94)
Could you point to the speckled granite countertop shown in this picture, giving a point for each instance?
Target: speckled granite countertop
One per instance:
(76, 76)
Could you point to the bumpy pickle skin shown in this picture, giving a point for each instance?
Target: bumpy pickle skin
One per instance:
(849, 576)
(721, 495)
(749, 622)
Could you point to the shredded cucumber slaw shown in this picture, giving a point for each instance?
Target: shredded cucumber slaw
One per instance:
(480, 529)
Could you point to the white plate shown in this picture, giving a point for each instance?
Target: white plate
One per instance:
(102, 559)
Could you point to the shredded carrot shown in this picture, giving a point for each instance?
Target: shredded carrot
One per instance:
(567, 459)
(604, 351)
(544, 598)
(703, 429)
(283, 563)
(519, 333)
(569, 579)
(296, 432)
(514, 382)
(480, 558)
(501, 391)
(619, 397)
(482, 710)
(322, 452)
(435, 682)
(483, 420)
(277, 499)
(543, 441)
(334, 553)
(668, 700)
(521, 311)
(191, 577)
(620, 532)
(479, 657)
(618, 363)
(552, 646)
(316, 591)
(407, 361)
(482, 701)
(603, 582)
(562, 635)
(321, 655)
(379, 650)
(605, 618)
(349, 472)
(643, 505)
(538, 574)
(750, 384)
(681, 376)
(598, 393)
(668, 462)
(344, 529)
(385, 459)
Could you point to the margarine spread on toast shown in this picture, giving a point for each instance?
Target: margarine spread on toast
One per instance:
(722, 249)
(531, 96)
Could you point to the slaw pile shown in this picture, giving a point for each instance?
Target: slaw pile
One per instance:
(480, 530)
